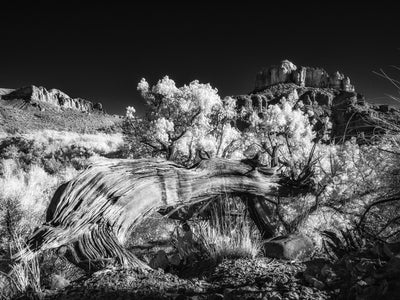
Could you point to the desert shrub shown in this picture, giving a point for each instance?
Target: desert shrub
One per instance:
(21, 150)
(380, 218)
(32, 188)
(181, 121)
(24, 196)
(350, 177)
(32, 166)
(99, 142)
(53, 150)
(11, 216)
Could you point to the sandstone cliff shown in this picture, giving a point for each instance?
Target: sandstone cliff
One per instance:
(37, 95)
(287, 72)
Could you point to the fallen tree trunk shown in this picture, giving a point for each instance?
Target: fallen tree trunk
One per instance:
(90, 217)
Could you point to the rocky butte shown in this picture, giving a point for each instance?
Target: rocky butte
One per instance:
(326, 95)
(41, 97)
(287, 72)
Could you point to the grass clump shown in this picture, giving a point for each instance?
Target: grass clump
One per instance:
(227, 231)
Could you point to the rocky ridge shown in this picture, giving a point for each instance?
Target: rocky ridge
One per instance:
(287, 72)
(37, 96)
(36, 108)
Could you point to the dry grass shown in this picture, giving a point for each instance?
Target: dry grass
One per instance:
(24, 279)
(229, 232)
(52, 140)
(24, 196)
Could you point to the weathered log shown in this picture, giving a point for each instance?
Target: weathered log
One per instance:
(90, 217)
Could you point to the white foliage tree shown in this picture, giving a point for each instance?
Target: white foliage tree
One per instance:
(181, 121)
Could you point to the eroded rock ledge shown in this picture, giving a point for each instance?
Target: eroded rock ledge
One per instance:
(287, 72)
(34, 94)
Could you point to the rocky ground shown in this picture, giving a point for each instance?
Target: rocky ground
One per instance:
(351, 277)
(369, 275)
(231, 279)
(372, 273)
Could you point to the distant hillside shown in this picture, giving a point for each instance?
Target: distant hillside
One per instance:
(34, 108)
(4, 91)
(40, 96)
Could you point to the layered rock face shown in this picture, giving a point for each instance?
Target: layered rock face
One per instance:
(287, 72)
(34, 94)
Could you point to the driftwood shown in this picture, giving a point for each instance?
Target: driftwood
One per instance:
(90, 217)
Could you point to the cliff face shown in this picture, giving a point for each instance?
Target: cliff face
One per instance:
(326, 95)
(287, 72)
(57, 98)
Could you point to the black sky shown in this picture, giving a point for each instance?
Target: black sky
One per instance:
(99, 51)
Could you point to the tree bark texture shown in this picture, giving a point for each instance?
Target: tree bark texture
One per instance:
(90, 218)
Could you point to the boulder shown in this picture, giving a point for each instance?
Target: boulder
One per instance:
(289, 247)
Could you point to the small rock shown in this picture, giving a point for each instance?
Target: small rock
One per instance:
(58, 282)
(160, 261)
(289, 247)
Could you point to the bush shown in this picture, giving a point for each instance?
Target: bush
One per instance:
(52, 149)
(24, 197)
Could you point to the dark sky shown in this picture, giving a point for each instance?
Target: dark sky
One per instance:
(100, 50)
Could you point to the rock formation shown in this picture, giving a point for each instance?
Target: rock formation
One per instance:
(57, 98)
(330, 96)
(287, 72)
